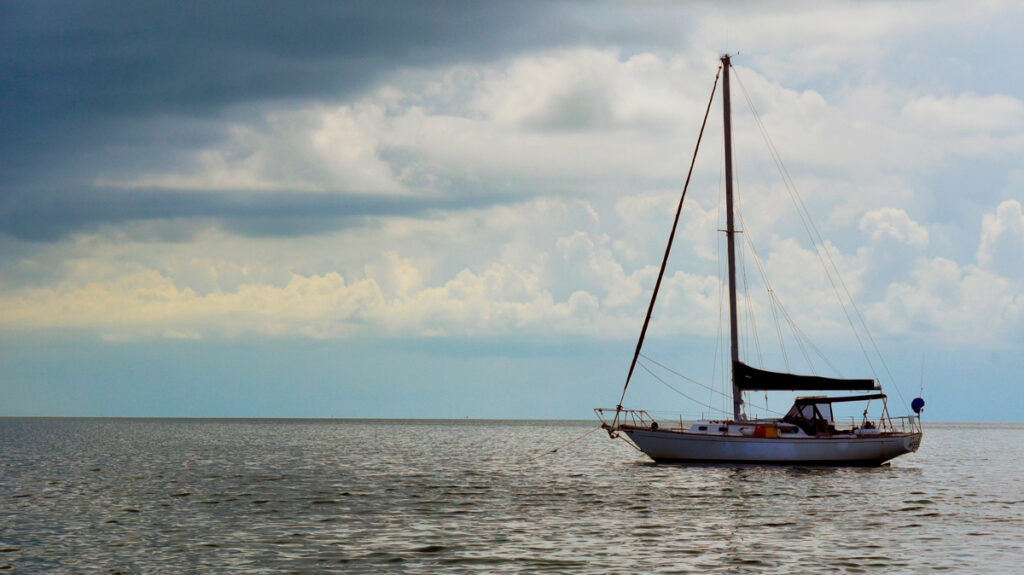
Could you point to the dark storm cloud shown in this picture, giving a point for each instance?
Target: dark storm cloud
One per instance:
(127, 57)
(50, 216)
(77, 78)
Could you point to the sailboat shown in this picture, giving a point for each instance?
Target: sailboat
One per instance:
(808, 434)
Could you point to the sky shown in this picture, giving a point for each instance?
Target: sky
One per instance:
(448, 209)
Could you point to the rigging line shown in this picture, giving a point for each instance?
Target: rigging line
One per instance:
(764, 274)
(800, 337)
(743, 308)
(668, 385)
(714, 361)
(694, 381)
(775, 301)
(749, 306)
(676, 414)
(778, 326)
(676, 373)
(720, 270)
(796, 329)
(718, 346)
(749, 303)
(566, 444)
(768, 286)
(804, 214)
(668, 248)
(795, 195)
(797, 334)
(798, 201)
(775, 304)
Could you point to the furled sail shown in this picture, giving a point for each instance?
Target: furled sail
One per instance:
(749, 378)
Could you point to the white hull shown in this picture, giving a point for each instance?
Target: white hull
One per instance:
(680, 446)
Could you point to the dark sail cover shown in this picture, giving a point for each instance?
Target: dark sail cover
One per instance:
(750, 378)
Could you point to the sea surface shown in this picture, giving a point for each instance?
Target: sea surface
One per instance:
(463, 496)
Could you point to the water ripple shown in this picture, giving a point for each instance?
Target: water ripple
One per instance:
(80, 495)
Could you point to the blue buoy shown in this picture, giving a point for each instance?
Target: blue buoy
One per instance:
(917, 405)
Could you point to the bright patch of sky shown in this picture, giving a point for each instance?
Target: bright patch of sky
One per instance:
(460, 211)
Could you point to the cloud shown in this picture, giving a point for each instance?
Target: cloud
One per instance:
(394, 150)
(466, 181)
(506, 270)
(148, 303)
(947, 302)
(309, 150)
(976, 303)
(794, 42)
(965, 113)
(894, 224)
(573, 120)
(540, 268)
(53, 216)
(586, 89)
(1002, 241)
(88, 89)
(501, 300)
(102, 58)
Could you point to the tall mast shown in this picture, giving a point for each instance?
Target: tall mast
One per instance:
(730, 231)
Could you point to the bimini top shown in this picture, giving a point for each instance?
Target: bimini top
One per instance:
(752, 379)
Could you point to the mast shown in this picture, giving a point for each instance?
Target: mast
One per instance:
(730, 231)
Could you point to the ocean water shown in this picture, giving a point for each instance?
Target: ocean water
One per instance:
(343, 496)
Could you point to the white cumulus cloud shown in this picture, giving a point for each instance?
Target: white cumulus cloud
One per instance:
(894, 224)
(1002, 241)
